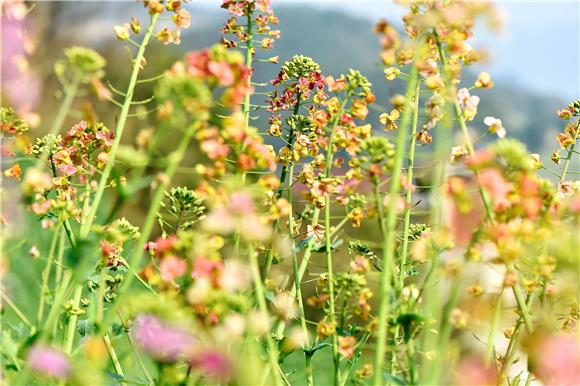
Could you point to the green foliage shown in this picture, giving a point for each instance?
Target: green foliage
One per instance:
(182, 207)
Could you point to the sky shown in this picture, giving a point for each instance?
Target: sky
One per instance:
(538, 47)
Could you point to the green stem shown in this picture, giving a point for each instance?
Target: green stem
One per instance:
(113, 356)
(90, 218)
(247, 98)
(46, 276)
(15, 308)
(328, 246)
(261, 300)
(283, 172)
(510, 352)
(302, 269)
(389, 232)
(297, 279)
(568, 157)
(444, 334)
(73, 318)
(523, 307)
(50, 324)
(409, 193)
(150, 380)
(412, 361)
(309, 369)
(174, 160)
(490, 354)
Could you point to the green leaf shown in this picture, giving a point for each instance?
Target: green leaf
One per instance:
(322, 248)
(394, 379)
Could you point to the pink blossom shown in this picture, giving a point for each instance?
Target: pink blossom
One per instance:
(558, 361)
(206, 268)
(241, 203)
(162, 341)
(223, 72)
(474, 371)
(172, 267)
(213, 363)
(48, 361)
(496, 185)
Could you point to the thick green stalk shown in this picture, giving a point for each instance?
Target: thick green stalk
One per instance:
(262, 306)
(412, 361)
(483, 193)
(399, 284)
(297, 279)
(46, 275)
(137, 62)
(511, 350)
(328, 244)
(14, 307)
(389, 229)
(409, 193)
(174, 160)
(249, 57)
(444, 334)
(247, 98)
(283, 172)
(465, 132)
(569, 156)
(72, 321)
(113, 356)
(302, 269)
(490, 354)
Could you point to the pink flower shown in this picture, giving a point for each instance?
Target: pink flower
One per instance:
(206, 268)
(161, 341)
(172, 267)
(213, 363)
(241, 203)
(474, 371)
(48, 361)
(223, 72)
(558, 361)
(497, 186)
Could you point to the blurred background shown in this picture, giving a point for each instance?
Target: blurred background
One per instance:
(533, 58)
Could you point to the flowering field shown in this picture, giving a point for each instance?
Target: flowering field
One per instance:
(192, 225)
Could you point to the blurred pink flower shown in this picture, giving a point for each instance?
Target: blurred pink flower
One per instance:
(241, 203)
(223, 72)
(172, 267)
(206, 268)
(48, 361)
(474, 371)
(20, 86)
(162, 341)
(557, 361)
(213, 363)
(497, 186)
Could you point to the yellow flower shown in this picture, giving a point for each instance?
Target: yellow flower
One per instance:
(390, 120)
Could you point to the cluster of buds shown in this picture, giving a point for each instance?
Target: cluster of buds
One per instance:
(180, 17)
(571, 132)
(301, 80)
(258, 18)
(342, 111)
(73, 158)
(244, 146)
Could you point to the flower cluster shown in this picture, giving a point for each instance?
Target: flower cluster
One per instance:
(179, 16)
(258, 17)
(301, 79)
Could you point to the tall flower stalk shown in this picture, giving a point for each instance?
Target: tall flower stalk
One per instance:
(137, 65)
(388, 224)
